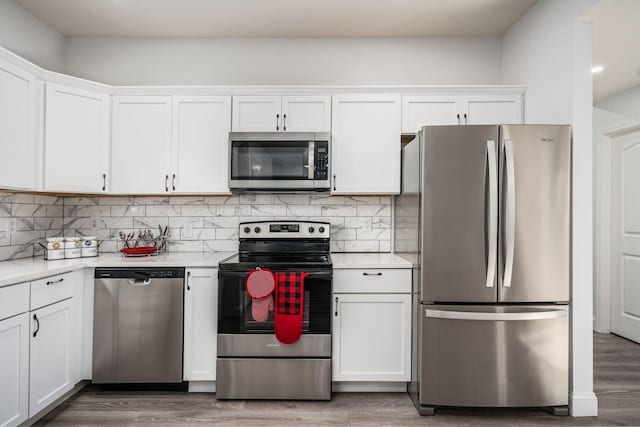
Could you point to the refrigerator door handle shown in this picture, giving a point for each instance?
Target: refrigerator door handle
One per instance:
(493, 213)
(469, 315)
(510, 214)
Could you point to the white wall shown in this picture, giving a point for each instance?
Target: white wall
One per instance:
(550, 51)
(626, 103)
(27, 36)
(410, 61)
(538, 52)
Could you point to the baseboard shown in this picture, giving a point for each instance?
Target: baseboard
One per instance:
(202, 386)
(583, 404)
(369, 387)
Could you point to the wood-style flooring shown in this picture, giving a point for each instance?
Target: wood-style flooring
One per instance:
(617, 384)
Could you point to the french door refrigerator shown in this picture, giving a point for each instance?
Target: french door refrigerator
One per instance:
(484, 215)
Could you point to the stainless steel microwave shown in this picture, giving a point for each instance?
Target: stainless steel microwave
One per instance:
(279, 161)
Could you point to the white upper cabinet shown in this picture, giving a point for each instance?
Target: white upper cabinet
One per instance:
(76, 140)
(281, 113)
(306, 113)
(20, 97)
(141, 144)
(256, 113)
(200, 161)
(494, 109)
(481, 109)
(423, 110)
(366, 131)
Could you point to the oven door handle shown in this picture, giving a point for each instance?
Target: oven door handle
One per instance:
(244, 274)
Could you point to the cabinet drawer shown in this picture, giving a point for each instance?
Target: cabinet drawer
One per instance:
(372, 281)
(14, 300)
(51, 289)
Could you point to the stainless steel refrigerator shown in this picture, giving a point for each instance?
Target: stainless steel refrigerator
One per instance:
(484, 215)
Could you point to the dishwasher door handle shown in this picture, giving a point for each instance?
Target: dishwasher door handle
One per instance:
(139, 282)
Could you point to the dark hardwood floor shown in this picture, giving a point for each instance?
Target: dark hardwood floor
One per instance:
(617, 384)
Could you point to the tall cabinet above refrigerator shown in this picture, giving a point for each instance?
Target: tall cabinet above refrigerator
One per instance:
(484, 215)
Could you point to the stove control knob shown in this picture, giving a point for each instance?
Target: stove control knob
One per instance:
(311, 229)
(257, 229)
(247, 230)
(321, 229)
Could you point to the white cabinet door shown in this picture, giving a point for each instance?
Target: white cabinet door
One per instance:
(201, 126)
(366, 134)
(14, 370)
(19, 161)
(76, 140)
(306, 113)
(257, 114)
(141, 144)
(425, 110)
(492, 109)
(372, 337)
(50, 354)
(200, 324)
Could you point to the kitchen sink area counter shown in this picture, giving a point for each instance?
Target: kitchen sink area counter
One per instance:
(28, 269)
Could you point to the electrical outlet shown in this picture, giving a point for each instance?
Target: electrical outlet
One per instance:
(187, 231)
(12, 225)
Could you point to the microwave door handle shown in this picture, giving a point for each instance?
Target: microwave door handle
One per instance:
(311, 162)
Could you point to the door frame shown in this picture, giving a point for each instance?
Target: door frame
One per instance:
(605, 196)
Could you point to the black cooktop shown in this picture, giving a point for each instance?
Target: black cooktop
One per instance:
(277, 261)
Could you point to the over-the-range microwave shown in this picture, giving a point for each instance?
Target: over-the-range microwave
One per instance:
(279, 161)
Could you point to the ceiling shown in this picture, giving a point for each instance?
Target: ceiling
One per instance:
(616, 37)
(278, 18)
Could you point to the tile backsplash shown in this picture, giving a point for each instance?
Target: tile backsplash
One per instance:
(25, 220)
(359, 223)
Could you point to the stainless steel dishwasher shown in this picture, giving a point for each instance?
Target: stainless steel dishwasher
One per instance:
(137, 325)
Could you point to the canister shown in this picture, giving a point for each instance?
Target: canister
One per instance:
(72, 247)
(89, 246)
(54, 248)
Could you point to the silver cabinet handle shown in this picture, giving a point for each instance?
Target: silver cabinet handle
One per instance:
(173, 182)
(493, 213)
(166, 183)
(35, 318)
(471, 315)
(53, 282)
(372, 274)
(336, 313)
(284, 122)
(277, 121)
(510, 213)
(139, 282)
(334, 182)
(188, 277)
(104, 182)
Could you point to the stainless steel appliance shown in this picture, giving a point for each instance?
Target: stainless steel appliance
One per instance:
(484, 215)
(252, 363)
(279, 161)
(137, 325)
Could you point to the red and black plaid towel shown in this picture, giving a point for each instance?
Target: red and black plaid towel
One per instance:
(289, 310)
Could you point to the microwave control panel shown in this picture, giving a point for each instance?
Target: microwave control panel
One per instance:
(321, 160)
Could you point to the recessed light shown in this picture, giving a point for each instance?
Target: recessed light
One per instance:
(597, 69)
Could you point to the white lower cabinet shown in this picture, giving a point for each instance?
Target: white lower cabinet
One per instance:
(51, 355)
(372, 337)
(200, 324)
(14, 370)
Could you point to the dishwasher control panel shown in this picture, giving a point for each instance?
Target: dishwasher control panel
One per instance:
(138, 273)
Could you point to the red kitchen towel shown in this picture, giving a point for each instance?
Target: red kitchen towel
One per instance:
(289, 311)
(259, 285)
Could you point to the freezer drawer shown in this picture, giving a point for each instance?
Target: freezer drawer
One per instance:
(502, 356)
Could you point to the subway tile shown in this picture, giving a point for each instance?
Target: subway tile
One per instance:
(185, 246)
(292, 199)
(54, 211)
(357, 222)
(42, 199)
(128, 210)
(5, 210)
(256, 199)
(151, 200)
(47, 223)
(362, 200)
(272, 210)
(346, 210)
(16, 252)
(180, 221)
(96, 210)
(221, 245)
(5, 238)
(361, 246)
(220, 222)
(28, 210)
(226, 233)
(199, 210)
(343, 233)
(24, 237)
(230, 210)
(81, 201)
(374, 210)
(303, 210)
(123, 222)
(336, 246)
(25, 224)
(222, 200)
(164, 210)
(377, 234)
(326, 200)
(150, 222)
(118, 200)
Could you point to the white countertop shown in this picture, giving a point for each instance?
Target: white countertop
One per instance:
(27, 269)
(368, 260)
